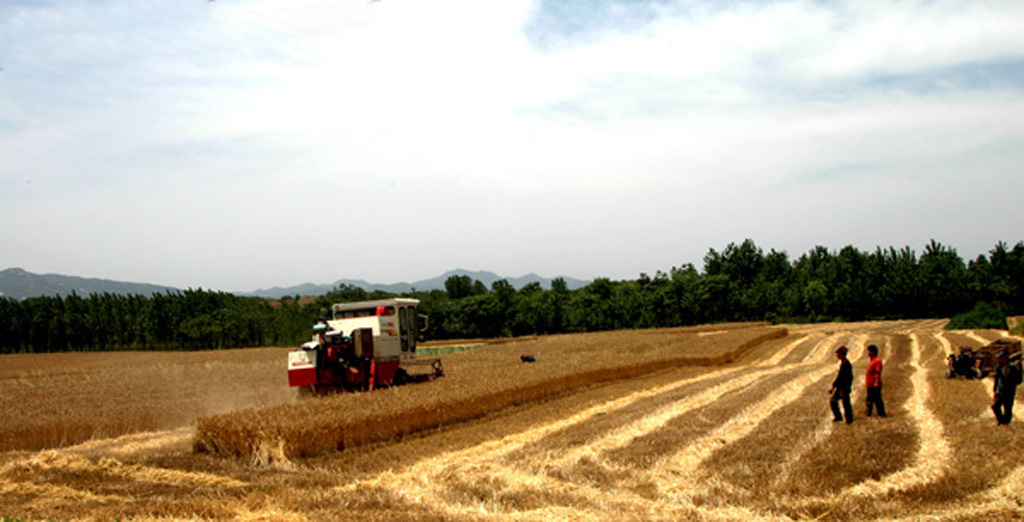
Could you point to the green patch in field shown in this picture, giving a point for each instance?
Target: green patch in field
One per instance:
(983, 315)
(445, 350)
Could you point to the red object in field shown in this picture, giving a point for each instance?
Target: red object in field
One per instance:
(349, 364)
(362, 346)
(385, 372)
(301, 368)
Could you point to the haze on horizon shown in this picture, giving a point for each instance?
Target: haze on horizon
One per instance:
(238, 145)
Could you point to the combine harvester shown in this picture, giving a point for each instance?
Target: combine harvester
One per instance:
(361, 346)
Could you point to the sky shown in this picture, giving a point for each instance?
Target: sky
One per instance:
(236, 145)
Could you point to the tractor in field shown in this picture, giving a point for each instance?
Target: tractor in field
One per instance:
(977, 363)
(361, 346)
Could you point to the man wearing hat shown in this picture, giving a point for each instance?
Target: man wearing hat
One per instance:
(840, 389)
(873, 379)
(1004, 389)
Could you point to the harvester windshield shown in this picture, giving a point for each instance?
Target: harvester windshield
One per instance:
(379, 311)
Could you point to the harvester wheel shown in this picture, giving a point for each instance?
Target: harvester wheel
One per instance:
(401, 377)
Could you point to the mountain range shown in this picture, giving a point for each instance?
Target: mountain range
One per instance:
(17, 283)
(435, 283)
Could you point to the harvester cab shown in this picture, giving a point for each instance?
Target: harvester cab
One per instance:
(362, 346)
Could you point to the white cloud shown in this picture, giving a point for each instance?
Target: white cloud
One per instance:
(231, 144)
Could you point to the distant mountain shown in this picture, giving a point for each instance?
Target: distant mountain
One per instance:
(19, 284)
(436, 283)
(306, 289)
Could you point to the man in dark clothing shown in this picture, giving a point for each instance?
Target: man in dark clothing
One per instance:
(840, 389)
(1004, 389)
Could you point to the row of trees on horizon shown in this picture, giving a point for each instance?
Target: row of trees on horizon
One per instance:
(740, 283)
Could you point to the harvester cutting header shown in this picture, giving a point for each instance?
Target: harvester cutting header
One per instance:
(362, 346)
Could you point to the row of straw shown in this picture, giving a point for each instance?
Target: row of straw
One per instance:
(477, 382)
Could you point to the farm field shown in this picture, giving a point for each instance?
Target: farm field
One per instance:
(736, 426)
(53, 400)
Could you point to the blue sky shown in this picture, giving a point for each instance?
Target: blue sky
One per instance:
(243, 144)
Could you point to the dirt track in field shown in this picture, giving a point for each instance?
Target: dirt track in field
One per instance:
(748, 440)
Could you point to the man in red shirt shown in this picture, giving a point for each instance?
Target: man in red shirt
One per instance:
(874, 382)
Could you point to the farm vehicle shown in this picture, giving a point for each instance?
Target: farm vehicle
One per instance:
(361, 346)
(977, 363)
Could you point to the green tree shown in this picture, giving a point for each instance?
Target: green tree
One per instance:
(816, 298)
(459, 286)
(944, 281)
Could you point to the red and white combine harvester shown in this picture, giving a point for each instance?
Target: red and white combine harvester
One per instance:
(362, 346)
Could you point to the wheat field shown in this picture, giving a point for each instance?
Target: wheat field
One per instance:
(734, 426)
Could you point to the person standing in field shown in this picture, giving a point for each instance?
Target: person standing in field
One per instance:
(1004, 389)
(873, 379)
(840, 389)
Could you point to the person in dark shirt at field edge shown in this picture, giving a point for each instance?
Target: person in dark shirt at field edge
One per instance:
(1004, 387)
(840, 389)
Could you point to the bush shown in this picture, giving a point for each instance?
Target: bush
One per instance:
(982, 316)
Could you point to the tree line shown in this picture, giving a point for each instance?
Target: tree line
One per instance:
(740, 283)
(189, 320)
(744, 283)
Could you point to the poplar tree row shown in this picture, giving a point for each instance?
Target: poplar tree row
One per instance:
(740, 283)
(188, 320)
(744, 283)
